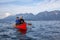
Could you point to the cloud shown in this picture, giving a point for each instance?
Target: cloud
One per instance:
(19, 2)
(4, 15)
(25, 0)
(51, 5)
(15, 0)
(36, 7)
(3, 1)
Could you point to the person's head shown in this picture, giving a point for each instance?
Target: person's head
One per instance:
(21, 17)
(17, 18)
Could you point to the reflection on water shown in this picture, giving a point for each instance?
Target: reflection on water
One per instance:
(40, 30)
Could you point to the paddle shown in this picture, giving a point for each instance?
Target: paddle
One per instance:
(29, 24)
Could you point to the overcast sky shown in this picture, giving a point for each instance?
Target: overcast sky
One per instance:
(11, 7)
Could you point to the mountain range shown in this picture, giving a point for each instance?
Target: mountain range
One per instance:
(51, 15)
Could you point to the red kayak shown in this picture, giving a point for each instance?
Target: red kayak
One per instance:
(22, 28)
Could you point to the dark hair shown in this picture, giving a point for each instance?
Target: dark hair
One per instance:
(17, 17)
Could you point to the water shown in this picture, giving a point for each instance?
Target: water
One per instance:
(40, 30)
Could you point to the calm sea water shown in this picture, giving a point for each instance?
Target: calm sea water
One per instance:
(40, 30)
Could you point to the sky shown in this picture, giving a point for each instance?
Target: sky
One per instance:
(13, 7)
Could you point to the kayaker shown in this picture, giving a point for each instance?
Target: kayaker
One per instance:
(17, 20)
(21, 20)
(21, 25)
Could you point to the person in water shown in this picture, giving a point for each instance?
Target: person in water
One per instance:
(17, 20)
(21, 20)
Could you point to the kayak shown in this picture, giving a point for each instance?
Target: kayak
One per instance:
(22, 28)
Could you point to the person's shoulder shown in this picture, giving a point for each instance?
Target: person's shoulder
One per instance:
(21, 19)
